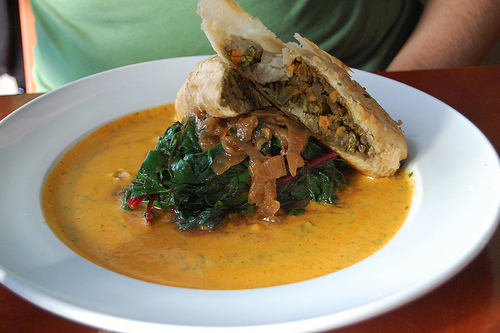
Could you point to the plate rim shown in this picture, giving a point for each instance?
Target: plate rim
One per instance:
(25, 289)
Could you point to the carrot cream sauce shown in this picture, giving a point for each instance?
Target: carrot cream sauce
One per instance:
(81, 202)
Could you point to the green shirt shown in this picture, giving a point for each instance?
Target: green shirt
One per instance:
(77, 38)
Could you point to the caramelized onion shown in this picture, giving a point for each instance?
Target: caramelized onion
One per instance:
(210, 130)
(262, 192)
(272, 168)
(297, 141)
(233, 154)
(243, 137)
(224, 161)
(245, 127)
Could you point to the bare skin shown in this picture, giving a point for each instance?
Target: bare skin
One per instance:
(450, 33)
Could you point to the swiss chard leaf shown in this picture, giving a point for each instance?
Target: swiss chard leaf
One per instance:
(177, 176)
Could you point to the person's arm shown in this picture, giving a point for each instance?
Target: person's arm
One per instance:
(450, 33)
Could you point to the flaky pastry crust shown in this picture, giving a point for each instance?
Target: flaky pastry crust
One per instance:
(229, 28)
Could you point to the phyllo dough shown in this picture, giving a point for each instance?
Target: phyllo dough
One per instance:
(218, 88)
(307, 84)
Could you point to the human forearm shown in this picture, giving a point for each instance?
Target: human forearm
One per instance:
(450, 34)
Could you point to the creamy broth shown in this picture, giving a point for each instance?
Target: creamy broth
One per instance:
(81, 202)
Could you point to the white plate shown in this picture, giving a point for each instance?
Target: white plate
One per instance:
(454, 213)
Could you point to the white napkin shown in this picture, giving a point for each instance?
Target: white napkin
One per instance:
(8, 85)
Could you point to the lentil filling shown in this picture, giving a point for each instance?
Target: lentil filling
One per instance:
(324, 111)
(239, 93)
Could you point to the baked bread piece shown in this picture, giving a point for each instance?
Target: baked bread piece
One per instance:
(309, 85)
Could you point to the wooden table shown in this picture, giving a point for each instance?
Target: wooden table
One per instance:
(469, 302)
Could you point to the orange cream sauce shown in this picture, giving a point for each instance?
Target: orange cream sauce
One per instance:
(81, 202)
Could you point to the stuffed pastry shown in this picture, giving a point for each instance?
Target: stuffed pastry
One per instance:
(218, 88)
(302, 81)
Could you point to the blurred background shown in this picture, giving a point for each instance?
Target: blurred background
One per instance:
(12, 79)
(11, 53)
